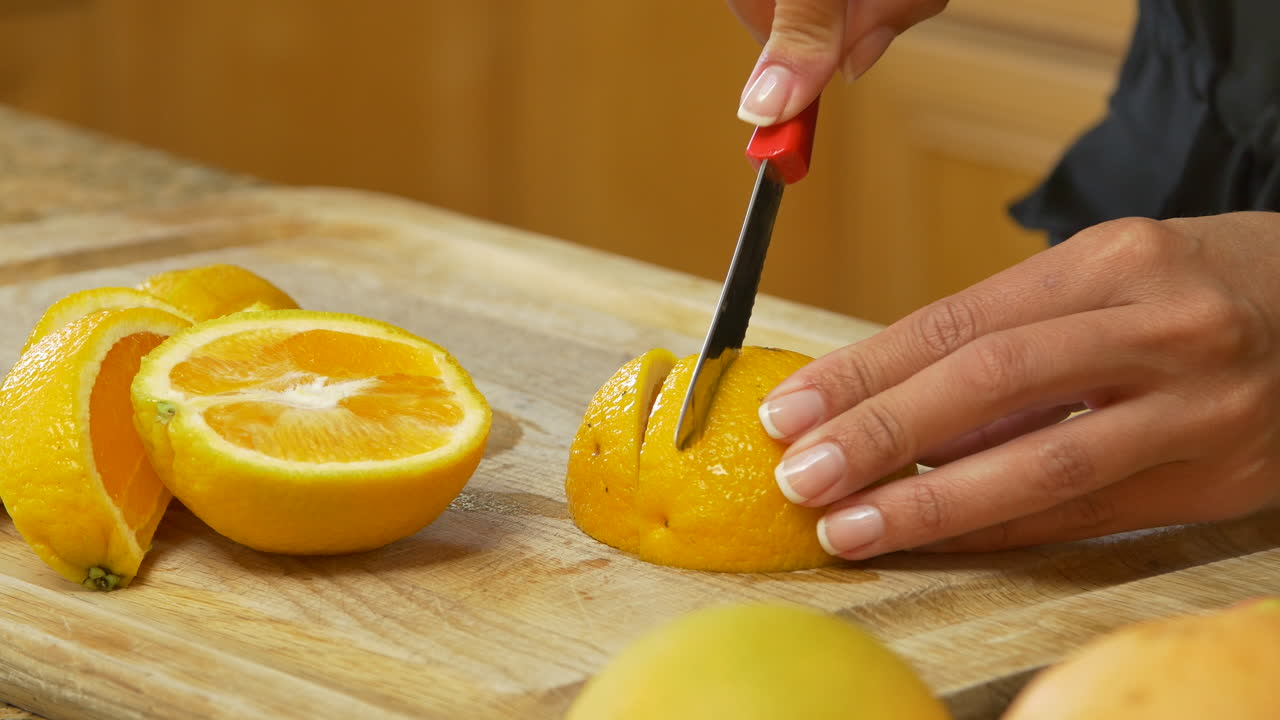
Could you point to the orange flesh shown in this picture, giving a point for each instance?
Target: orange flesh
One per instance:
(322, 395)
(117, 452)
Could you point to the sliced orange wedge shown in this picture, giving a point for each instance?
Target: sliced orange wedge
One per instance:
(78, 304)
(211, 291)
(73, 473)
(308, 432)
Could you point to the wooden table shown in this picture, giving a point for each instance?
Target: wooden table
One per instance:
(501, 608)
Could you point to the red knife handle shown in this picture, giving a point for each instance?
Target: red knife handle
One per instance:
(787, 145)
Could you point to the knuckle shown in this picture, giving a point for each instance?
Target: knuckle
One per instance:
(1090, 512)
(1223, 324)
(1066, 469)
(931, 509)
(808, 27)
(994, 363)
(882, 434)
(948, 325)
(856, 378)
(1140, 243)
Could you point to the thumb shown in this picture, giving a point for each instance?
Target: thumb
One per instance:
(802, 53)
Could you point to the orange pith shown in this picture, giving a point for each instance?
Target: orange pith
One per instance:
(126, 475)
(321, 395)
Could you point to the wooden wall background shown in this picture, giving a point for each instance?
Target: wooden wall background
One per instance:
(606, 123)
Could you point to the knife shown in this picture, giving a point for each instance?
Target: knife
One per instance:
(781, 155)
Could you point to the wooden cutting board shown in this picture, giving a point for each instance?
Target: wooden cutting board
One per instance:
(501, 608)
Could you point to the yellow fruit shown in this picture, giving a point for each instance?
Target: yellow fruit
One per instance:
(308, 432)
(714, 505)
(78, 304)
(73, 474)
(756, 662)
(1223, 664)
(212, 291)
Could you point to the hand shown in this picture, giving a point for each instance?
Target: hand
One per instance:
(1167, 334)
(805, 41)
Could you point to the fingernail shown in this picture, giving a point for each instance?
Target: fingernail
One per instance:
(866, 52)
(806, 475)
(792, 414)
(847, 530)
(765, 98)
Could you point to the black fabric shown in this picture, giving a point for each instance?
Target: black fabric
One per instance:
(1193, 127)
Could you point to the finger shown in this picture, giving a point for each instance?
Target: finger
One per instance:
(997, 432)
(1148, 499)
(1052, 362)
(1032, 473)
(1172, 493)
(806, 39)
(873, 24)
(755, 15)
(1085, 273)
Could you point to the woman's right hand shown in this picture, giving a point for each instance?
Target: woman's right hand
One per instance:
(807, 41)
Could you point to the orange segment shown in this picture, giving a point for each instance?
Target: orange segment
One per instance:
(73, 473)
(604, 457)
(309, 432)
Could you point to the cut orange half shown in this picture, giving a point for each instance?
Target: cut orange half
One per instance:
(309, 432)
(712, 506)
(73, 473)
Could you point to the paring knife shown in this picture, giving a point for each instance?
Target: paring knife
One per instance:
(781, 153)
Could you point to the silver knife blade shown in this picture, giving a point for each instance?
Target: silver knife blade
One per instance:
(733, 312)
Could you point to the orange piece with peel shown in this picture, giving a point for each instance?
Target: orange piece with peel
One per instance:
(81, 303)
(713, 506)
(211, 291)
(73, 473)
(309, 432)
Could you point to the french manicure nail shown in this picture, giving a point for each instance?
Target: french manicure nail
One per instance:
(847, 530)
(766, 97)
(807, 474)
(791, 414)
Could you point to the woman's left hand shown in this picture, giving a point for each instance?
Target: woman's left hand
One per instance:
(1167, 332)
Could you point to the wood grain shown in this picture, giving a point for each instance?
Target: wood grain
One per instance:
(502, 608)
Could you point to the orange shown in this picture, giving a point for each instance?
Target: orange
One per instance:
(714, 505)
(1219, 664)
(756, 661)
(309, 432)
(73, 473)
(211, 291)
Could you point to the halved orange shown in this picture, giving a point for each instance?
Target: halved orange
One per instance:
(73, 473)
(712, 506)
(308, 432)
